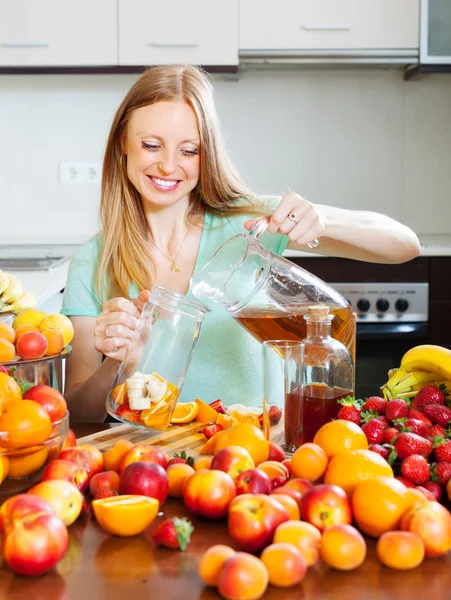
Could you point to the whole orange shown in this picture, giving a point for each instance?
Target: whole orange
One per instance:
(343, 547)
(286, 565)
(349, 468)
(378, 505)
(27, 464)
(400, 550)
(309, 461)
(24, 423)
(7, 332)
(339, 435)
(248, 437)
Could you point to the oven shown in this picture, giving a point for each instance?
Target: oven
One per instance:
(391, 318)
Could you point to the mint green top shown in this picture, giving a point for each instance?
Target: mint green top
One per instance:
(227, 362)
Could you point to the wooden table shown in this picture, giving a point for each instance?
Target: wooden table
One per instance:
(100, 566)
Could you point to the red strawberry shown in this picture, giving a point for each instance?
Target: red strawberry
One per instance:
(383, 451)
(439, 414)
(416, 426)
(435, 431)
(125, 412)
(435, 489)
(173, 533)
(374, 431)
(5, 370)
(429, 394)
(181, 458)
(211, 430)
(350, 409)
(405, 481)
(389, 435)
(416, 414)
(411, 443)
(384, 422)
(442, 449)
(429, 495)
(274, 416)
(416, 469)
(375, 403)
(218, 406)
(441, 472)
(396, 409)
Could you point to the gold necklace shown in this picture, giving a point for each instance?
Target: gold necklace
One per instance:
(173, 266)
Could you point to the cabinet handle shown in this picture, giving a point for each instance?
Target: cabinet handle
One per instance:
(173, 45)
(325, 27)
(24, 44)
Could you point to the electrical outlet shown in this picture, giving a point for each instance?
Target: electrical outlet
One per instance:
(79, 172)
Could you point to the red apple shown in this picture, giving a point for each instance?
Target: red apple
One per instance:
(232, 460)
(20, 506)
(69, 441)
(145, 479)
(101, 483)
(253, 520)
(67, 470)
(276, 452)
(64, 498)
(86, 456)
(142, 453)
(50, 399)
(209, 493)
(31, 345)
(253, 481)
(35, 543)
(325, 505)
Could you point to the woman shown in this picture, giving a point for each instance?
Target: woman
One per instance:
(170, 199)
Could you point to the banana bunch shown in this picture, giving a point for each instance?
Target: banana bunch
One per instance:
(13, 298)
(422, 365)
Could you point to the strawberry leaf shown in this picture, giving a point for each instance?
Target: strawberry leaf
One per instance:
(183, 529)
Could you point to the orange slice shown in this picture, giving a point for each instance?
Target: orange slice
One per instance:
(210, 445)
(125, 515)
(206, 413)
(226, 421)
(185, 412)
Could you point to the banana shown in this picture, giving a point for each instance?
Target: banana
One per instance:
(414, 379)
(4, 281)
(13, 292)
(27, 300)
(428, 357)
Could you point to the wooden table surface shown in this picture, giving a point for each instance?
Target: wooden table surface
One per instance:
(100, 566)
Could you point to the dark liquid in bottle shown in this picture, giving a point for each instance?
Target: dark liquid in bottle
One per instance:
(306, 413)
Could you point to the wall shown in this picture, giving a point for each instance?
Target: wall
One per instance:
(353, 138)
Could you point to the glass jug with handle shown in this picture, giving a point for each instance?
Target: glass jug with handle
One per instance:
(268, 294)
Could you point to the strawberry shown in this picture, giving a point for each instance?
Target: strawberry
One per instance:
(211, 430)
(439, 414)
(374, 431)
(429, 394)
(405, 481)
(5, 370)
(383, 451)
(274, 416)
(413, 425)
(442, 449)
(389, 435)
(411, 443)
(396, 409)
(441, 472)
(375, 403)
(434, 488)
(435, 431)
(416, 414)
(173, 533)
(181, 458)
(350, 409)
(416, 469)
(125, 412)
(218, 406)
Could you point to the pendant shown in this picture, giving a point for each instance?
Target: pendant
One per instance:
(174, 267)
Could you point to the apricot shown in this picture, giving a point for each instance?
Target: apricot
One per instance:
(286, 565)
(178, 474)
(400, 550)
(289, 503)
(309, 462)
(203, 462)
(303, 535)
(114, 455)
(211, 563)
(7, 333)
(276, 471)
(343, 547)
(243, 577)
(55, 341)
(432, 522)
(7, 351)
(289, 491)
(24, 465)
(25, 329)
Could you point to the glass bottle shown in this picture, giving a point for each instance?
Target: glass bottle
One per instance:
(328, 372)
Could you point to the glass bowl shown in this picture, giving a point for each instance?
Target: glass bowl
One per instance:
(25, 464)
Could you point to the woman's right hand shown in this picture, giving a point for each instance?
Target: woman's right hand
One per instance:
(116, 323)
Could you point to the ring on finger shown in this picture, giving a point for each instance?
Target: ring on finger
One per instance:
(293, 218)
(107, 332)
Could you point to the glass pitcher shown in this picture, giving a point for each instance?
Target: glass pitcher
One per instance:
(267, 294)
(150, 378)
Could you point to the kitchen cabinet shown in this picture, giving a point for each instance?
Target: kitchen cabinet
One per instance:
(58, 33)
(203, 32)
(356, 26)
(435, 45)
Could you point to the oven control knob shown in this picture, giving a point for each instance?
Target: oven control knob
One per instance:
(401, 305)
(382, 304)
(363, 305)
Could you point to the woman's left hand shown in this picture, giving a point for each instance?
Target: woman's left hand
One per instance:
(295, 217)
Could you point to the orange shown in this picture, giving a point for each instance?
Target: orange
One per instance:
(226, 421)
(55, 341)
(306, 538)
(211, 562)
(25, 329)
(24, 423)
(337, 436)
(400, 550)
(343, 547)
(286, 565)
(125, 515)
(184, 412)
(9, 389)
(29, 317)
(248, 437)
(350, 468)
(205, 413)
(178, 474)
(7, 351)
(22, 466)
(7, 333)
(210, 445)
(4, 468)
(309, 462)
(378, 505)
(119, 394)
(114, 455)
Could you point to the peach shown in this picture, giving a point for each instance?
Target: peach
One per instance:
(232, 460)
(142, 453)
(209, 493)
(276, 471)
(86, 456)
(299, 484)
(50, 399)
(203, 462)
(243, 577)
(325, 505)
(31, 345)
(20, 506)
(343, 547)
(289, 491)
(65, 499)
(400, 550)
(285, 564)
(178, 474)
(67, 470)
(106, 481)
(145, 479)
(289, 503)
(69, 441)
(276, 452)
(306, 538)
(253, 481)
(114, 455)
(211, 563)
(432, 522)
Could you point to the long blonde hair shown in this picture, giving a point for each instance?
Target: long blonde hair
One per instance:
(124, 256)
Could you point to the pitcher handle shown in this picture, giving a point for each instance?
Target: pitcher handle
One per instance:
(262, 225)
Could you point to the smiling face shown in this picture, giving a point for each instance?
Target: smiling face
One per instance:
(163, 146)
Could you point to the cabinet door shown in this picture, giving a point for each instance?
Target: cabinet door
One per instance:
(435, 31)
(329, 24)
(58, 32)
(202, 32)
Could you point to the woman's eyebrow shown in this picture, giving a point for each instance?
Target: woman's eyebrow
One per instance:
(154, 135)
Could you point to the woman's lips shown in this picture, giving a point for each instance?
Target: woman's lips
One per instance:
(164, 185)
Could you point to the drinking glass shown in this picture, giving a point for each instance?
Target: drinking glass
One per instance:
(283, 392)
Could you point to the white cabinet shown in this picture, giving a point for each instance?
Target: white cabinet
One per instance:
(203, 32)
(435, 44)
(359, 25)
(58, 32)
